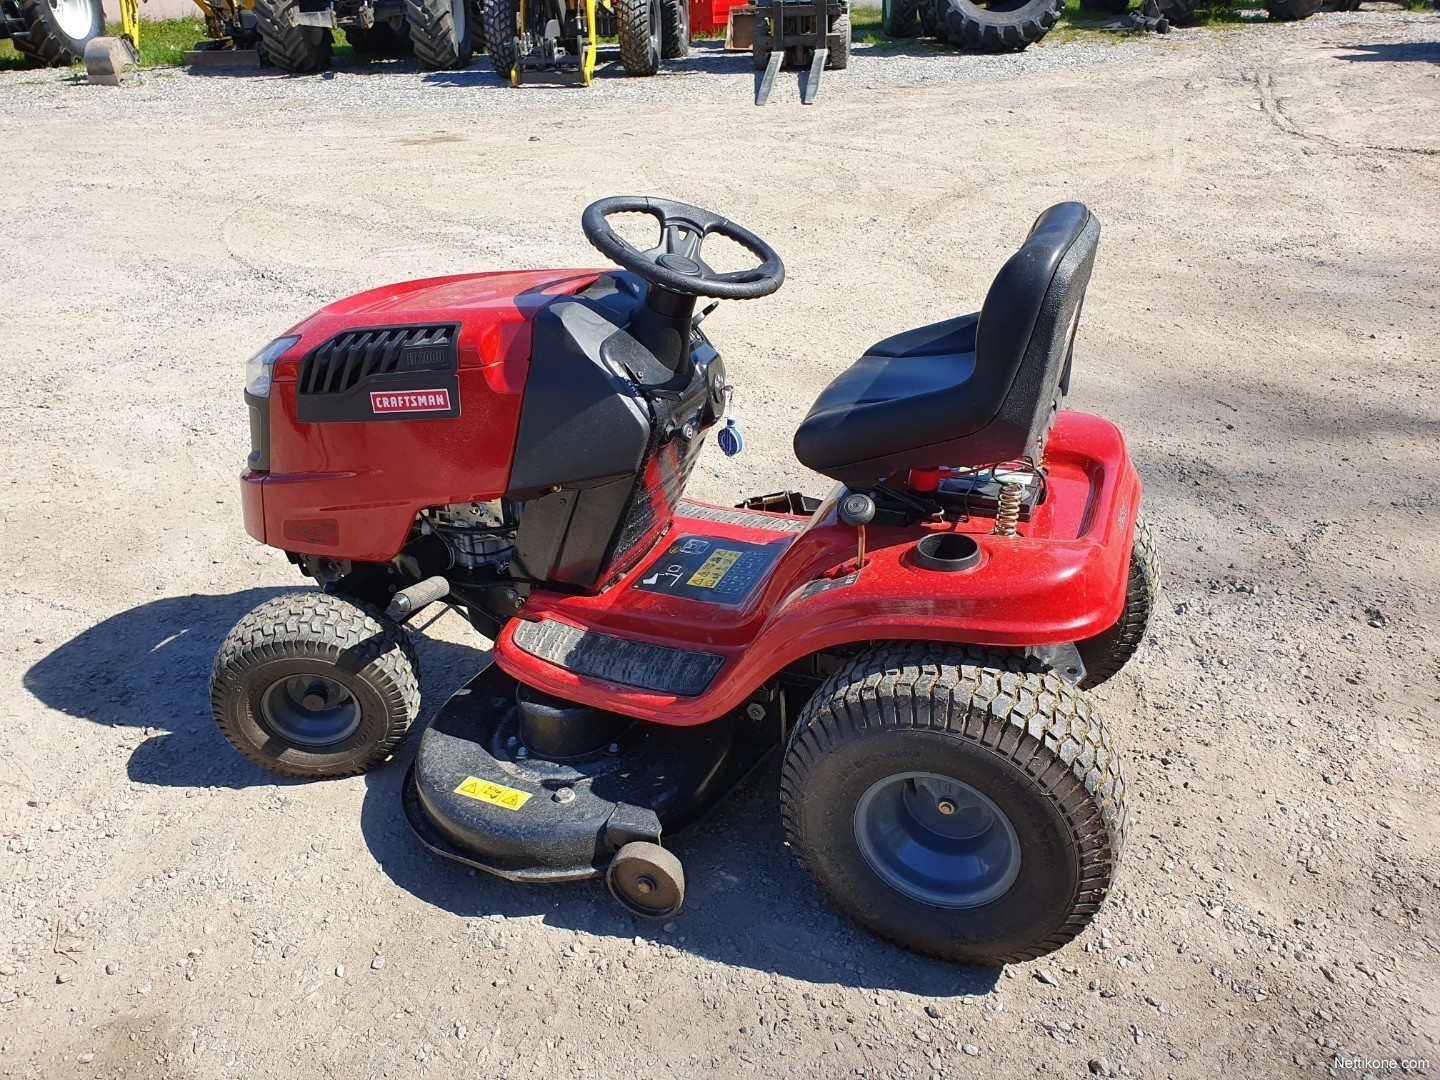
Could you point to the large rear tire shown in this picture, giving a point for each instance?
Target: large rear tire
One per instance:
(1292, 10)
(440, 32)
(1105, 654)
(674, 29)
(639, 35)
(314, 685)
(57, 31)
(958, 801)
(1004, 26)
(501, 26)
(900, 18)
(299, 50)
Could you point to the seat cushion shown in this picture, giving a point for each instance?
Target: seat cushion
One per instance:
(906, 392)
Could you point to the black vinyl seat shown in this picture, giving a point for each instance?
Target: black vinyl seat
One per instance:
(974, 390)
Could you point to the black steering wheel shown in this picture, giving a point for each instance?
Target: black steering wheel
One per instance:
(675, 263)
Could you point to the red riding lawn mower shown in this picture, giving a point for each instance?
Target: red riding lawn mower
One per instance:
(916, 644)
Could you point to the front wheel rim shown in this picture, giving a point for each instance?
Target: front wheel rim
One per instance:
(937, 840)
(74, 17)
(310, 710)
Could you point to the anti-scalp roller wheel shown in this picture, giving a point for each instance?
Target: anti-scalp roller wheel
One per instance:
(647, 880)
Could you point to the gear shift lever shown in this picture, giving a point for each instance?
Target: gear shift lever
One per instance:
(857, 511)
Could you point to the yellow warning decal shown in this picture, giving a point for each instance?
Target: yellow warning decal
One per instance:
(713, 570)
(494, 794)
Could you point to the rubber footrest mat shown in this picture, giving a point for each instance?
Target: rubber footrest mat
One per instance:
(632, 663)
(750, 518)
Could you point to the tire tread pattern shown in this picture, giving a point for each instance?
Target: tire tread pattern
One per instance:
(39, 45)
(980, 30)
(636, 55)
(349, 631)
(1002, 700)
(291, 48)
(433, 35)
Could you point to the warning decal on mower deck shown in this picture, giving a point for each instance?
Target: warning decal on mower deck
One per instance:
(494, 794)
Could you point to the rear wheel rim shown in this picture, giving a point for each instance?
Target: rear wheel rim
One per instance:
(310, 710)
(75, 17)
(937, 840)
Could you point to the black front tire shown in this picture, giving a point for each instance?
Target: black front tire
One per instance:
(46, 42)
(639, 35)
(440, 32)
(1019, 735)
(298, 50)
(837, 45)
(1105, 654)
(674, 29)
(1004, 27)
(501, 29)
(348, 650)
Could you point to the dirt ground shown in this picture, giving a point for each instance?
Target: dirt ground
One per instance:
(1262, 323)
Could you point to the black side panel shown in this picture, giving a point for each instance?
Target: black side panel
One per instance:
(582, 423)
(665, 670)
(381, 373)
(564, 536)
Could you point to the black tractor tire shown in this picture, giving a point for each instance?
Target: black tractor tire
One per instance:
(987, 720)
(1106, 7)
(1180, 12)
(837, 45)
(900, 18)
(46, 42)
(500, 25)
(359, 664)
(932, 24)
(478, 41)
(383, 41)
(639, 35)
(1009, 26)
(674, 29)
(298, 50)
(1292, 10)
(440, 32)
(1105, 654)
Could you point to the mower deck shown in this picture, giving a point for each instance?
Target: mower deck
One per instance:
(478, 793)
(742, 593)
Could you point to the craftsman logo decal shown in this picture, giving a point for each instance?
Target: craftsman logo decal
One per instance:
(410, 401)
(494, 794)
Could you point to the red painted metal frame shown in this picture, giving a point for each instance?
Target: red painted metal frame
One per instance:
(1062, 580)
(351, 491)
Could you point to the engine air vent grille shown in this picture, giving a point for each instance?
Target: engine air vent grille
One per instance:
(342, 363)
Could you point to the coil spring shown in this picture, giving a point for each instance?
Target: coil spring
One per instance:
(1007, 509)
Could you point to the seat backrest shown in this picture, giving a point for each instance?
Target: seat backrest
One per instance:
(1027, 326)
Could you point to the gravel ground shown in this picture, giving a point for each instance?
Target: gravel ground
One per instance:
(1262, 322)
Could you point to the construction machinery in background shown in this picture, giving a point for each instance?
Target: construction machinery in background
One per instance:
(1186, 12)
(297, 36)
(557, 40)
(51, 33)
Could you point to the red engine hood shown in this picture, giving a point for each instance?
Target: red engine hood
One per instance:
(495, 310)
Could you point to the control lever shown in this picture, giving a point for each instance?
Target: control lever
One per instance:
(857, 511)
(698, 319)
